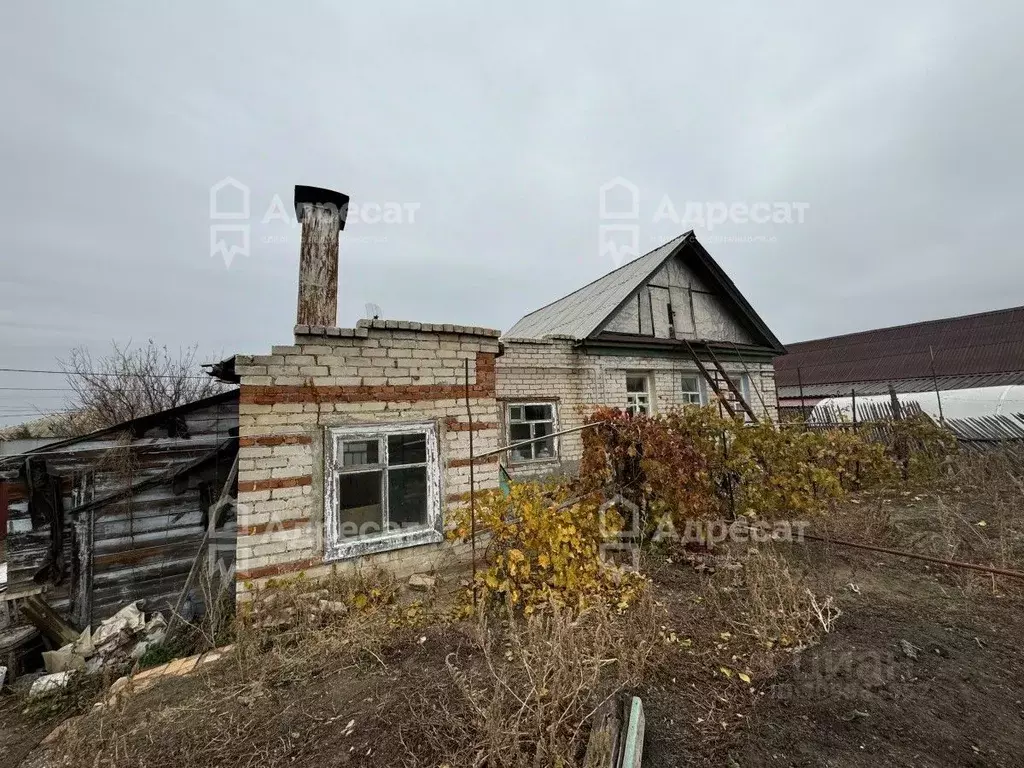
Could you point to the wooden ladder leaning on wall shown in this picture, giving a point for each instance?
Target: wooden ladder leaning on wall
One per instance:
(720, 376)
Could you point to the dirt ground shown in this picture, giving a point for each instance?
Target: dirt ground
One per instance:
(953, 697)
(923, 668)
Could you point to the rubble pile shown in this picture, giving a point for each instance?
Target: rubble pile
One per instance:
(116, 641)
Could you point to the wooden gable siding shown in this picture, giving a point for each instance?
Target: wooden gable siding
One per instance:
(697, 312)
(141, 542)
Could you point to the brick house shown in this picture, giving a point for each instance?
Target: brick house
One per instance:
(354, 441)
(665, 330)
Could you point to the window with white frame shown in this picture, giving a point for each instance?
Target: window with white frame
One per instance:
(382, 488)
(692, 392)
(529, 421)
(638, 393)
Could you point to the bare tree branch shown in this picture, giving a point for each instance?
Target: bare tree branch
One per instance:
(128, 383)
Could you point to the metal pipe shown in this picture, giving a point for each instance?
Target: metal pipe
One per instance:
(472, 485)
(916, 556)
(510, 446)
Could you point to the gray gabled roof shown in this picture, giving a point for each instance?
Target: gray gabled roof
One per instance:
(581, 312)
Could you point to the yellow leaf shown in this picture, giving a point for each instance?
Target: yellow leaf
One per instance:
(743, 676)
(725, 671)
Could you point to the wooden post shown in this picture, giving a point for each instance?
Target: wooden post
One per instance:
(322, 213)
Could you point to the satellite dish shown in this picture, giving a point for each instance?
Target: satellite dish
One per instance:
(373, 312)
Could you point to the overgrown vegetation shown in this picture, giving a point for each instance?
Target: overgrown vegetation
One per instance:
(691, 464)
(525, 693)
(545, 548)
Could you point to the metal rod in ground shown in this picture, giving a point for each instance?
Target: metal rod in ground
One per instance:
(472, 485)
(935, 383)
(916, 556)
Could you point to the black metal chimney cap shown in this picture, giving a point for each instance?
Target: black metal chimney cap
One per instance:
(319, 196)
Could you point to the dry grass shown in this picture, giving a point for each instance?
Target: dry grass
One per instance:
(524, 694)
(767, 600)
(972, 515)
(344, 668)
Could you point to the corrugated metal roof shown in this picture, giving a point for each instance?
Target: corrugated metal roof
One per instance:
(972, 345)
(920, 384)
(582, 311)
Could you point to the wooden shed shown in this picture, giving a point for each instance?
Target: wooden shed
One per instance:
(97, 521)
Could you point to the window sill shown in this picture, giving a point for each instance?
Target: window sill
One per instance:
(378, 544)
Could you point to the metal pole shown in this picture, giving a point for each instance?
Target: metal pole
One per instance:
(510, 446)
(472, 485)
(935, 383)
(800, 381)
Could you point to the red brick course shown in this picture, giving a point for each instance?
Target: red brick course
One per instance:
(277, 525)
(268, 440)
(278, 569)
(484, 387)
(493, 459)
(274, 482)
(455, 425)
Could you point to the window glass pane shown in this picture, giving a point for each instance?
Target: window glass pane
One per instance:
(538, 412)
(360, 512)
(636, 383)
(357, 452)
(689, 383)
(523, 453)
(516, 413)
(519, 432)
(545, 449)
(407, 449)
(407, 497)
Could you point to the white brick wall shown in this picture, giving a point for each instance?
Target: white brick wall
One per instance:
(580, 382)
(324, 381)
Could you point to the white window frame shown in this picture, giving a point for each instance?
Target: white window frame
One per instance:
(512, 458)
(687, 394)
(337, 547)
(639, 401)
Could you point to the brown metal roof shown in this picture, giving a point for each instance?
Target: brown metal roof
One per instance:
(986, 343)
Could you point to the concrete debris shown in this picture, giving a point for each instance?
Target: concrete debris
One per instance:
(124, 636)
(422, 583)
(63, 660)
(129, 619)
(49, 684)
(333, 606)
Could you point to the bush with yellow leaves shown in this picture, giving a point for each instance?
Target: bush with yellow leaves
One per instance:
(545, 548)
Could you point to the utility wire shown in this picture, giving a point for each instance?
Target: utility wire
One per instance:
(103, 373)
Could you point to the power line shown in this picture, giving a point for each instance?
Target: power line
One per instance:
(38, 389)
(104, 373)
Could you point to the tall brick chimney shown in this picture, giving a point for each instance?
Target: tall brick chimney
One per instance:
(322, 213)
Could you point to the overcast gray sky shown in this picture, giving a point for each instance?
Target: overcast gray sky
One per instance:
(898, 124)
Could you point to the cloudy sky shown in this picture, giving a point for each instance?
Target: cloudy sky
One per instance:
(898, 125)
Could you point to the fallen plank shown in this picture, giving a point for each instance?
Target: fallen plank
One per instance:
(48, 621)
